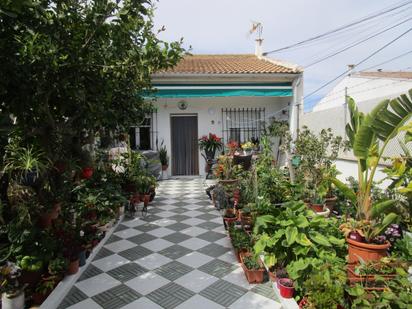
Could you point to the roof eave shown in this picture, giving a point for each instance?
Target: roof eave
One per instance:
(226, 76)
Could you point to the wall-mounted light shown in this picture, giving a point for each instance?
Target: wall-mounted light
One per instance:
(182, 105)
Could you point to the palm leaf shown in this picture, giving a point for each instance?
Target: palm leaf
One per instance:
(348, 192)
(365, 137)
(382, 208)
(356, 119)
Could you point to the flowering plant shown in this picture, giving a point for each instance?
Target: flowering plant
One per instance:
(210, 143)
(248, 146)
(233, 146)
(9, 279)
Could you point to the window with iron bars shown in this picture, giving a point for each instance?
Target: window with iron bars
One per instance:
(243, 124)
(145, 136)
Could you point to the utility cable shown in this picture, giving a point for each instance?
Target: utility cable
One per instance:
(359, 63)
(356, 44)
(339, 28)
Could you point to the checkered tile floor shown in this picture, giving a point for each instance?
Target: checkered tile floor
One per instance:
(179, 256)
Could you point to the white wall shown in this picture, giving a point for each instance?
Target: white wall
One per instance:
(209, 112)
(350, 168)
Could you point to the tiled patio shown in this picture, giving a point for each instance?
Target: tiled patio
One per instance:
(178, 256)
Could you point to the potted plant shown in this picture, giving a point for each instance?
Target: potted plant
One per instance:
(209, 144)
(32, 269)
(252, 267)
(24, 164)
(246, 217)
(163, 157)
(232, 147)
(43, 289)
(10, 287)
(241, 241)
(286, 287)
(57, 266)
(147, 186)
(369, 136)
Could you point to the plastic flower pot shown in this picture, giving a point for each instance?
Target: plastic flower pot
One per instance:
(87, 172)
(317, 207)
(286, 288)
(82, 258)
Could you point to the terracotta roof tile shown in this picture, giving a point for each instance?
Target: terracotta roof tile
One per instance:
(230, 64)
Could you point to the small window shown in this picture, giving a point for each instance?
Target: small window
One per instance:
(144, 136)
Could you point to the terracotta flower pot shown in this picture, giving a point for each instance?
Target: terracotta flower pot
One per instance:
(45, 220)
(73, 267)
(56, 211)
(317, 207)
(272, 276)
(87, 172)
(252, 275)
(367, 252)
(286, 288)
(146, 199)
(165, 167)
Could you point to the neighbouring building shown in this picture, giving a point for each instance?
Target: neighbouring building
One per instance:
(367, 89)
(233, 96)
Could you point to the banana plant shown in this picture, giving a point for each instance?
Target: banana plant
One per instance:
(369, 135)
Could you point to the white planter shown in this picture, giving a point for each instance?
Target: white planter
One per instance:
(12, 303)
(165, 176)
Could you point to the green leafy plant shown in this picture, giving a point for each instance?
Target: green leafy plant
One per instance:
(164, 158)
(57, 266)
(369, 136)
(290, 233)
(31, 263)
(240, 239)
(251, 262)
(324, 287)
(403, 248)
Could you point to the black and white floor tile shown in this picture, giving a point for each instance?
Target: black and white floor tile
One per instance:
(178, 256)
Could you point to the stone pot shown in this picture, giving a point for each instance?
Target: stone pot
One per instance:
(16, 302)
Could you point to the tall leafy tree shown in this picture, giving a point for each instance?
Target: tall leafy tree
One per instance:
(75, 66)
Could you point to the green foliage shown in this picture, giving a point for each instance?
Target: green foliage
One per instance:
(369, 135)
(403, 248)
(292, 232)
(317, 154)
(58, 266)
(164, 158)
(396, 294)
(251, 262)
(240, 239)
(79, 66)
(31, 263)
(325, 284)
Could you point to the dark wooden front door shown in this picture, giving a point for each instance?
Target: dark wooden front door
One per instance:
(185, 152)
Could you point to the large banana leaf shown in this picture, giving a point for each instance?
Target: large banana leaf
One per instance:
(356, 119)
(382, 208)
(348, 192)
(365, 137)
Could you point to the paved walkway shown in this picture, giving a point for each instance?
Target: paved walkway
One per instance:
(179, 256)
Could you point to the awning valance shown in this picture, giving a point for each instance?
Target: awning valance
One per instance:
(199, 91)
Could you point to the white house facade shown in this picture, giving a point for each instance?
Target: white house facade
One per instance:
(232, 96)
(367, 89)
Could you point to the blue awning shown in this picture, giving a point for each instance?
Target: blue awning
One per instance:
(228, 90)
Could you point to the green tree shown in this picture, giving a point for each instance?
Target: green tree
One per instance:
(72, 67)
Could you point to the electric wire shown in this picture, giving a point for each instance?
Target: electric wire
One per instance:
(359, 63)
(387, 61)
(356, 44)
(362, 20)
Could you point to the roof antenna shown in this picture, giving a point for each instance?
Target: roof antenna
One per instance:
(257, 28)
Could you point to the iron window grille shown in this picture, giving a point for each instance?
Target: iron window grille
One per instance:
(145, 136)
(243, 124)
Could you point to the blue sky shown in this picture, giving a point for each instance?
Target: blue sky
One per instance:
(222, 26)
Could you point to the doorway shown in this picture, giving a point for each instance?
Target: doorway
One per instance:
(185, 151)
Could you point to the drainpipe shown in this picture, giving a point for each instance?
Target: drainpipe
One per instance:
(294, 118)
